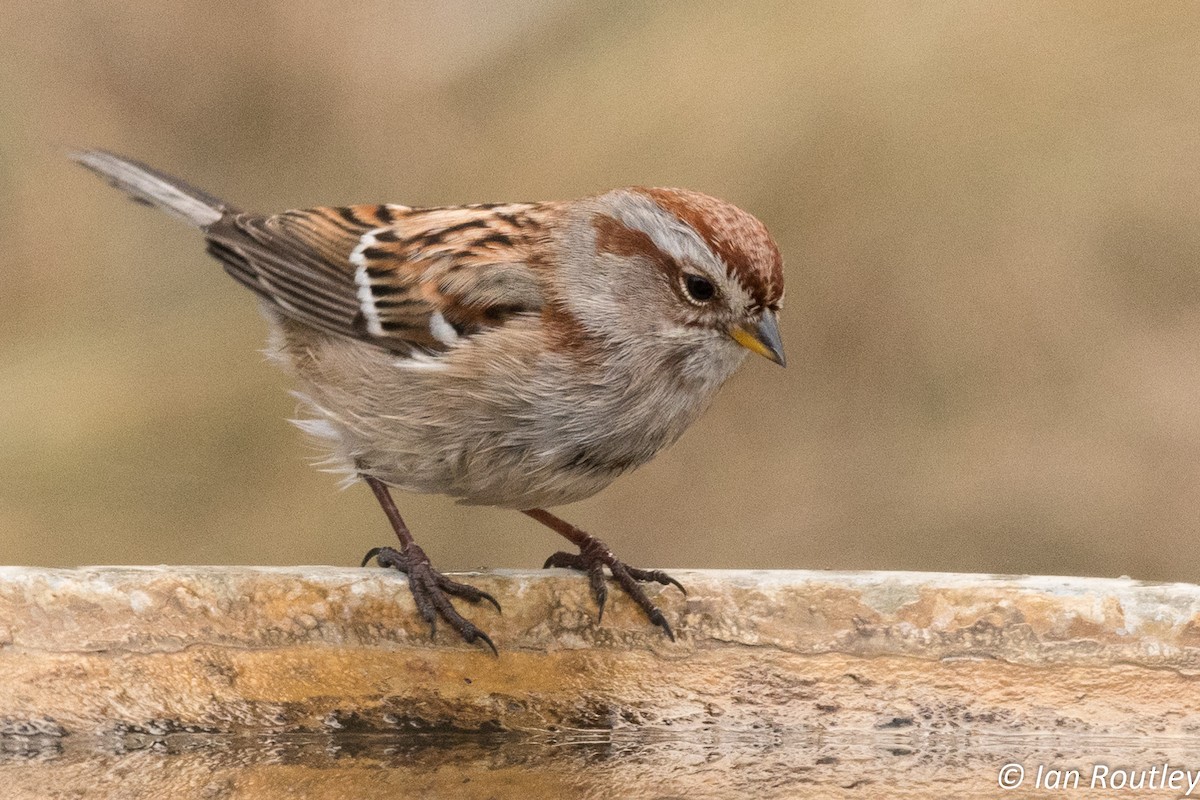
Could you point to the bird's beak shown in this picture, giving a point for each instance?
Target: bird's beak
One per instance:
(761, 337)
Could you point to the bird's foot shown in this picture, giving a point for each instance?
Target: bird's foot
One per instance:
(594, 556)
(430, 589)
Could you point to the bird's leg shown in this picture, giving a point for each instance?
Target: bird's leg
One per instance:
(593, 556)
(429, 587)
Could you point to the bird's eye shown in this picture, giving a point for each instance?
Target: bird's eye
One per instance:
(699, 288)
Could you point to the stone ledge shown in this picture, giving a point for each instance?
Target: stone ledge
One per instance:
(153, 651)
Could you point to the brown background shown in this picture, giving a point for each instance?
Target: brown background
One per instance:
(988, 210)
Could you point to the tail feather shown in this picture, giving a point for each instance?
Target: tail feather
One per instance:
(155, 188)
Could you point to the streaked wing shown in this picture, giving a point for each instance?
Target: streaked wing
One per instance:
(395, 276)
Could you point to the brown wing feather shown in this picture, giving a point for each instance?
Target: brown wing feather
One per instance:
(398, 277)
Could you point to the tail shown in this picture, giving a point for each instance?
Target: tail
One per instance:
(149, 186)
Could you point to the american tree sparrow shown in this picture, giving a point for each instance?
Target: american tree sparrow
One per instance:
(518, 355)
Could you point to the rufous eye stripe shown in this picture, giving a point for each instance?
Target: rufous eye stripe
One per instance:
(613, 236)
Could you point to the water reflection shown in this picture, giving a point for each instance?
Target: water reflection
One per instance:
(574, 764)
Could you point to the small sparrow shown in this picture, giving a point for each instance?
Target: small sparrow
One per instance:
(518, 355)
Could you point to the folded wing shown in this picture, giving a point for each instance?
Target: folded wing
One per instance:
(402, 278)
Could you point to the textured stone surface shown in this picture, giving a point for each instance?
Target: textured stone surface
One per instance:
(772, 670)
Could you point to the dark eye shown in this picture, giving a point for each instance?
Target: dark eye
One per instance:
(699, 288)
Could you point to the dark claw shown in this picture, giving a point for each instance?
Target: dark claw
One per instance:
(658, 619)
(561, 560)
(657, 576)
(374, 551)
(487, 640)
(485, 596)
(599, 589)
(467, 592)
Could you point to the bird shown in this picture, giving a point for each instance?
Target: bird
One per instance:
(515, 355)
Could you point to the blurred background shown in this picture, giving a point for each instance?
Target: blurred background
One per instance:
(990, 214)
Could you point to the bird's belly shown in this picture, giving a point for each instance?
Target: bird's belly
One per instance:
(502, 434)
(562, 457)
(507, 478)
(515, 458)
